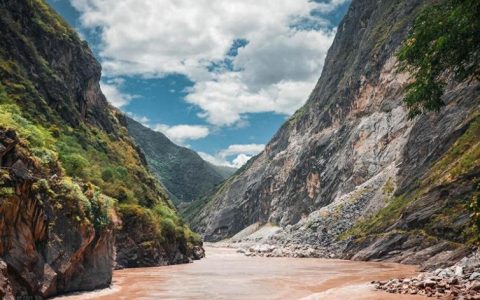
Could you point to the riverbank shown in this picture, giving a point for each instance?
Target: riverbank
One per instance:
(226, 274)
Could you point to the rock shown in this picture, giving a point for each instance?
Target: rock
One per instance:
(453, 280)
(20, 170)
(475, 275)
(6, 292)
(49, 286)
(429, 283)
(458, 271)
(475, 285)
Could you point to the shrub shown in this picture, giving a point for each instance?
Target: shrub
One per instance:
(168, 228)
(74, 164)
(445, 36)
(107, 175)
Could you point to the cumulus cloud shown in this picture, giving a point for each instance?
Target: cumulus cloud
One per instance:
(214, 159)
(249, 149)
(181, 133)
(233, 156)
(112, 92)
(286, 43)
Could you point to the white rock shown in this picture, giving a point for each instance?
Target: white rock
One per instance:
(458, 271)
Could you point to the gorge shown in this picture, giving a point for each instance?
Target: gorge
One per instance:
(352, 188)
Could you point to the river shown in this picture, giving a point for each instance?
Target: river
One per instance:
(226, 274)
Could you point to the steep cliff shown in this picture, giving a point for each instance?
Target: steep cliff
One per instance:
(71, 178)
(351, 156)
(184, 173)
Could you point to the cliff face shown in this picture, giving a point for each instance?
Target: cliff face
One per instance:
(350, 156)
(71, 178)
(183, 172)
(50, 243)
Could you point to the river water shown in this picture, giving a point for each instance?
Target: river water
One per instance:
(225, 274)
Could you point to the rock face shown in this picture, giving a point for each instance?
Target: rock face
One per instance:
(183, 172)
(71, 178)
(349, 172)
(44, 250)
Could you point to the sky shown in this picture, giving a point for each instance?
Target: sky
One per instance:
(217, 76)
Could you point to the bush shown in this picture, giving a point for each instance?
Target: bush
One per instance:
(168, 228)
(107, 175)
(74, 164)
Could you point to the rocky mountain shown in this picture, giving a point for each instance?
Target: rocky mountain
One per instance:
(182, 171)
(349, 174)
(76, 198)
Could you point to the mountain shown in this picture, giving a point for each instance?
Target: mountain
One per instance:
(76, 197)
(349, 174)
(224, 171)
(182, 171)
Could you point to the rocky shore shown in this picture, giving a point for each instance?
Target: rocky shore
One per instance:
(460, 281)
(268, 250)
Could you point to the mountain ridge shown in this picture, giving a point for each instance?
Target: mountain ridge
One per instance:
(183, 172)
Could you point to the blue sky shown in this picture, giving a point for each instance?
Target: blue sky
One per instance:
(217, 76)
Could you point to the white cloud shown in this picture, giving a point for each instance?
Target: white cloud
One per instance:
(240, 160)
(250, 149)
(181, 133)
(233, 156)
(214, 159)
(273, 72)
(111, 90)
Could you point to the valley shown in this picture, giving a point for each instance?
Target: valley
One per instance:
(369, 190)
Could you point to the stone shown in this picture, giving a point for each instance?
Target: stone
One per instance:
(20, 170)
(475, 285)
(429, 283)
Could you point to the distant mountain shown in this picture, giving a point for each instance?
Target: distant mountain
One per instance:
(182, 171)
(225, 171)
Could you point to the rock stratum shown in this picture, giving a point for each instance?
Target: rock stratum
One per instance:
(349, 174)
(76, 197)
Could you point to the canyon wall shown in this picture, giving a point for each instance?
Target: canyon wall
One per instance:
(349, 174)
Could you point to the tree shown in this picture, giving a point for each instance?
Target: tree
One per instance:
(444, 41)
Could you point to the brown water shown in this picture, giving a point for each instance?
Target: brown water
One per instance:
(225, 274)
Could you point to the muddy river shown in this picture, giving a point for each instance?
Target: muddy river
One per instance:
(226, 274)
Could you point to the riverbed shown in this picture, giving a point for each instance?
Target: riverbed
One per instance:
(226, 274)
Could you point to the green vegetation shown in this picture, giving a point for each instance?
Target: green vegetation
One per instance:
(85, 171)
(474, 208)
(444, 37)
(297, 116)
(381, 220)
(50, 21)
(107, 167)
(389, 187)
